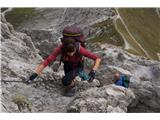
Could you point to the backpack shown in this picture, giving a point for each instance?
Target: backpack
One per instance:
(126, 81)
(72, 35)
(123, 81)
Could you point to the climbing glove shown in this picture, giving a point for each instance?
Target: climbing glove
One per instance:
(91, 75)
(31, 78)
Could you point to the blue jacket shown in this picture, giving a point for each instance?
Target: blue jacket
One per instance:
(121, 81)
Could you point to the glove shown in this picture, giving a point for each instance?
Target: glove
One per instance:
(31, 78)
(91, 75)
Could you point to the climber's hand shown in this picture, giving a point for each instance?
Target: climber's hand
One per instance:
(91, 75)
(31, 78)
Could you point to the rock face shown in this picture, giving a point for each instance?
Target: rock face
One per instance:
(46, 28)
(43, 38)
(56, 18)
(144, 80)
(17, 65)
(145, 76)
(109, 98)
(21, 54)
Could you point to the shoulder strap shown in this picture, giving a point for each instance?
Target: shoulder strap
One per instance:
(62, 53)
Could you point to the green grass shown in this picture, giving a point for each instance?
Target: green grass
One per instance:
(110, 34)
(135, 49)
(144, 25)
(19, 15)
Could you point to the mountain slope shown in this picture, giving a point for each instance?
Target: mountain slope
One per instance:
(21, 54)
(143, 24)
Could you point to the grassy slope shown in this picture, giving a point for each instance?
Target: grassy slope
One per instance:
(135, 49)
(20, 15)
(144, 25)
(110, 34)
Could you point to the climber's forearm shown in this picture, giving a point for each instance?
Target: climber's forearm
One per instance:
(39, 69)
(97, 63)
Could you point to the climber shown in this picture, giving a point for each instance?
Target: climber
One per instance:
(121, 79)
(71, 50)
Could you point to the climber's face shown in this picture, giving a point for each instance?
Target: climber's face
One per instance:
(116, 75)
(70, 49)
(71, 53)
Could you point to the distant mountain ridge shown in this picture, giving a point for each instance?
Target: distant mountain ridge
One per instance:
(141, 28)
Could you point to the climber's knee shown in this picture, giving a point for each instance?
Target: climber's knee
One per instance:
(69, 77)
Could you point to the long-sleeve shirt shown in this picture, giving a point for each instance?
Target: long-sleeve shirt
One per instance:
(57, 51)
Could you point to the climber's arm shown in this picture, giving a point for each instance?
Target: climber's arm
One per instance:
(39, 69)
(48, 60)
(91, 55)
(97, 63)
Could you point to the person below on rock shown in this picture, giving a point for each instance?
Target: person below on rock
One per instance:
(71, 50)
(121, 79)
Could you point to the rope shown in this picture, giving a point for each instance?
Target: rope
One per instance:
(25, 81)
(11, 81)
